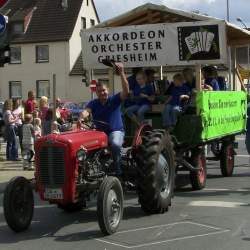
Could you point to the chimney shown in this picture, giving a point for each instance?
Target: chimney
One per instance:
(64, 4)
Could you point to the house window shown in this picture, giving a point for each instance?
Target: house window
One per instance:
(17, 28)
(92, 22)
(84, 26)
(15, 89)
(42, 53)
(15, 55)
(42, 88)
(87, 2)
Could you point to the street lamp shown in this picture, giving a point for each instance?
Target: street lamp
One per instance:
(241, 21)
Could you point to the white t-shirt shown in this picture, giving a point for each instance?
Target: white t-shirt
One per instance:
(38, 132)
(18, 112)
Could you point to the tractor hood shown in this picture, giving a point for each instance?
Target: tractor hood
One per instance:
(89, 139)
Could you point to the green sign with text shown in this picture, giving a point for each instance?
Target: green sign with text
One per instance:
(222, 112)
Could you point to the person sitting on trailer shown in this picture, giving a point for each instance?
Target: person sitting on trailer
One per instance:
(132, 84)
(210, 77)
(150, 74)
(178, 93)
(190, 82)
(143, 96)
(221, 80)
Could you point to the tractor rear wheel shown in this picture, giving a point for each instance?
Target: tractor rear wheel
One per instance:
(156, 172)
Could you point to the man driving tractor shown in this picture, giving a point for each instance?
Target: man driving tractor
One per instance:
(107, 116)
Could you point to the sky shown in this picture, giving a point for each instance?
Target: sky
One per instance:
(217, 8)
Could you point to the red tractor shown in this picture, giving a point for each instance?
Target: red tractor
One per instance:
(72, 166)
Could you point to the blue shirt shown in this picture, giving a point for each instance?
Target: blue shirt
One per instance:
(190, 86)
(147, 89)
(176, 92)
(213, 83)
(132, 82)
(222, 83)
(109, 113)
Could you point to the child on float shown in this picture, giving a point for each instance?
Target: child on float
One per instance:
(178, 93)
(142, 96)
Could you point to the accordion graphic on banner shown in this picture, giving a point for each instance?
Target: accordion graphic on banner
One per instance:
(199, 43)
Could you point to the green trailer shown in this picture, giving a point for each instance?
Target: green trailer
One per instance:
(212, 118)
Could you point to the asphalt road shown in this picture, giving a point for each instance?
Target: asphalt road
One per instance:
(217, 218)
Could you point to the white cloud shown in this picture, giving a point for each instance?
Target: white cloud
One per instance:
(111, 8)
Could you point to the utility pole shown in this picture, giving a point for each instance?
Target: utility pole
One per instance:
(228, 13)
(229, 51)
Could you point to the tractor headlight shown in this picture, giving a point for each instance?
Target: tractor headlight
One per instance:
(81, 155)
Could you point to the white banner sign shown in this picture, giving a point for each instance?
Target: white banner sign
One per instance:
(156, 44)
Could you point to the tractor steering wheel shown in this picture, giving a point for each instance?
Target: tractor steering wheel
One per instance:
(91, 124)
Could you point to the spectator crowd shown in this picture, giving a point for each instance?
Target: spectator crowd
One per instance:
(25, 122)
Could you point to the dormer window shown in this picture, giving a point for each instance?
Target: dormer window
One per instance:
(17, 27)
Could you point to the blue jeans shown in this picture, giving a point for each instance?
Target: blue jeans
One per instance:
(116, 139)
(170, 114)
(138, 110)
(12, 146)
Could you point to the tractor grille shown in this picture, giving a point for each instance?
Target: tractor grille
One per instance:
(52, 166)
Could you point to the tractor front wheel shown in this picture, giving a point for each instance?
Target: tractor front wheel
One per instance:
(18, 204)
(110, 205)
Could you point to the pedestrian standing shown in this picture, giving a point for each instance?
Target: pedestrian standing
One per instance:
(30, 103)
(37, 128)
(47, 124)
(10, 134)
(18, 112)
(28, 140)
(43, 107)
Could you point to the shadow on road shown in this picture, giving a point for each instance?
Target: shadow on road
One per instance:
(49, 221)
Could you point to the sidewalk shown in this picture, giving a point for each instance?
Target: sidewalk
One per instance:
(10, 169)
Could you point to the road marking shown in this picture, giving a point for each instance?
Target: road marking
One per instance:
(243, 156)
(164, 241)
(216, 189)
(240, 190)
(218, 231)
(167, 225)
(224, 204)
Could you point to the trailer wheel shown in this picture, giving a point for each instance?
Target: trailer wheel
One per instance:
(198, 178)
(227, 159)
(110, 205)
(156, 172)
(18, 204)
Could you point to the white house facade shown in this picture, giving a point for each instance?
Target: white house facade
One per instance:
(38, 53)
